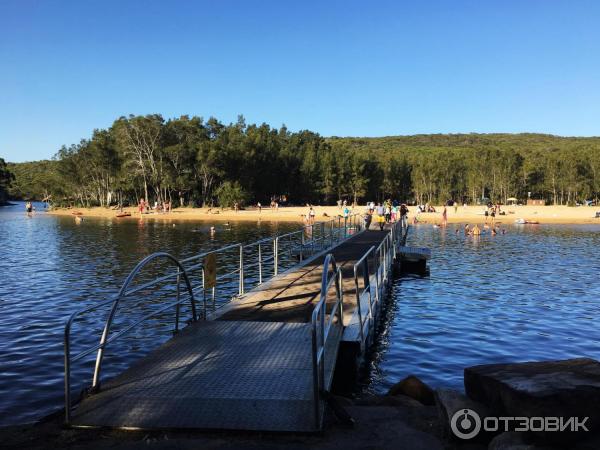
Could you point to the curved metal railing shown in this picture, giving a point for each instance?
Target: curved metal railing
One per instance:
(106, 338)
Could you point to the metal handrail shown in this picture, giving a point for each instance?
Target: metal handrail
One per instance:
(363, 263)
(320, 235)
(382, 257)
(321, 328)
(104, 340)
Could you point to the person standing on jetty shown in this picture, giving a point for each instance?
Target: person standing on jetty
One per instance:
(404, 214)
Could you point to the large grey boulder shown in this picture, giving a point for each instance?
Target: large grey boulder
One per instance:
(569, 388)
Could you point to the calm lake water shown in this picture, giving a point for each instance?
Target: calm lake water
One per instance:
(532, 294)
(529, 294)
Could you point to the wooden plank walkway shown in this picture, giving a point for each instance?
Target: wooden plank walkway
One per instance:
(250, 369)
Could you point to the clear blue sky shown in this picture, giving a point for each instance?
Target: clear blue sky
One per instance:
(336, 67)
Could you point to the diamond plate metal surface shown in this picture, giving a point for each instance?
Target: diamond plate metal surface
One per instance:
(216, 374)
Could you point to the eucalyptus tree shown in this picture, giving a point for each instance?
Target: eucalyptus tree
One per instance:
(140, 139)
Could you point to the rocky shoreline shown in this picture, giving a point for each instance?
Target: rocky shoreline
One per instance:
(411, 415)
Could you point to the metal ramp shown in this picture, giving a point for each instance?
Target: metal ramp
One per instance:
(216, 374)
(255, 370)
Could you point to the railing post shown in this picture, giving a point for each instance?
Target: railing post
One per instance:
(341, 297)
(67, 377)
(358, 307)
(203, 294)
(241, 289)
(322, 365)
(275, 255)
(177, 306)
(259, 264)
(331, 233)
(302, 243)
(316, 387)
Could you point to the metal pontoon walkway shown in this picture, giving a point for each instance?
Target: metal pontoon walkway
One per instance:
(261, 362)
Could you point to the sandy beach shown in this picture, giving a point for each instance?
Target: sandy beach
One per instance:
(468, 214)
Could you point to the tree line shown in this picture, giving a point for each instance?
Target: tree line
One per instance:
(6, 178)
(192, 162)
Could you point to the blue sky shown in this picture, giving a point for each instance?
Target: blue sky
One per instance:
(335, 67)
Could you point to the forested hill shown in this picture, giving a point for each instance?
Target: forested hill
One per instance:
(191, 161)
(489, 140)
(465, 167)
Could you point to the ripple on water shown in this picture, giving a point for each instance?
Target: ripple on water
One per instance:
(528, 295)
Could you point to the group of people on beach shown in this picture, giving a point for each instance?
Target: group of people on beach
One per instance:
(145, 208)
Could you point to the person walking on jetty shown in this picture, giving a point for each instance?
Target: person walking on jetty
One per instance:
(404, 214)
(380, 215)
(368, 218)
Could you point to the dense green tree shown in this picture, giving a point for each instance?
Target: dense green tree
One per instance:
(6, 178)
(203, 162)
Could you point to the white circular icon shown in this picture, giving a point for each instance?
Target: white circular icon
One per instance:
(465, 423)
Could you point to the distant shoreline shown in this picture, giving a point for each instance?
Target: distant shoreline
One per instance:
(469, 214)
